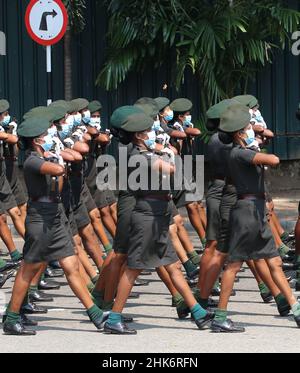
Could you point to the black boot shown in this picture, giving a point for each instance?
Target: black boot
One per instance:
(39, 296)
(48, 285)
(202, 323)
(53, 273)
(267, 297)
(31, 309)
(120, 328)
(17, 329)
(226, 326)
(6, 276)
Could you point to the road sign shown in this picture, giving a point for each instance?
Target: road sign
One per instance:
(46, 21)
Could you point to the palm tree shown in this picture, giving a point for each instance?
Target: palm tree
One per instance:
(223, 42)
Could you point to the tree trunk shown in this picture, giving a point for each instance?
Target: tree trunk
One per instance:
(68, 65)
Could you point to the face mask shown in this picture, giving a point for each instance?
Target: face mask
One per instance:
(156, 125)
(188, 120)
(250, 137)
(86, 117)
(6, 120)
(169, 116)
(52, 131)
(48, 143)
(95, 122)
(150, 143)
(77, 119)
(64, 132)
(70, 121)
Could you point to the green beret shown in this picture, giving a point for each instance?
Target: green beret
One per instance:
(94, 106)
(217, 110)
(4, 106)
(33, 127)
(148, 105)
(162, 102)
(81, 103)
(235, 118)
(247, 100)
(67, 105)
(37, 111)
(137, 123)
(57, 113)
(181, 105)
(120, 115)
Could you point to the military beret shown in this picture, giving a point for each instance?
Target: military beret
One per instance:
(33, 127)
(235, 118)
(37, 111)
(81, 103)
(4, 106)
(216, 111)
(94, 106)
(162, 102)
(67, 105)
(181, 105)
(148, 105)
(247, 100)
(57, 113)
(137, 123)
(120, 115)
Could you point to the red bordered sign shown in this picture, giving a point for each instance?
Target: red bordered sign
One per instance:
(46, 21)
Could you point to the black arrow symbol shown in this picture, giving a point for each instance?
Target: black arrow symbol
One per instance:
(43, 25)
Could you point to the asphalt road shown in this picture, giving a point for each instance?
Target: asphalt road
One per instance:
(66, 328)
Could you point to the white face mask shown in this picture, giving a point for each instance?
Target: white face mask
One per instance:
(86, 117)
(70, 121)
(150, 142)
(156, 125)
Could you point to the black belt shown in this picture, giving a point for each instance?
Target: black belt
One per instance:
(251, 197)
(45, 199)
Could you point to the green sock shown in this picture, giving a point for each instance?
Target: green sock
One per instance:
(15, 255)
(203, 241)
(263, 288)
(281, 300)
(296, 309)
(108, 248)
(94, 313)
(114, 318)
(177, 299)
(2, 263)
(284, 235)
(189, 267)
(194, 257)
(32, 289)
(283, 250)
(198, 312)
(107, 306)
(12, 317)
(95, 279)
(97, 297)
(220, 315)
(90, 287)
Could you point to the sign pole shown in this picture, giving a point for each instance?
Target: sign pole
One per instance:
(49, 75)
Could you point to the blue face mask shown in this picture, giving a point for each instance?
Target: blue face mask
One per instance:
(250, 137)
(47, 146)
(188, 120)
(156, 125)
(65, 131)
(150, 142)
(77, 119)
(6, 120)
(169, 116)
(86, 117)
(52, 131)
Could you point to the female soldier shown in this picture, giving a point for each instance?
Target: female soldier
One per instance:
(250, 236)
(47, 232)
(149, 246)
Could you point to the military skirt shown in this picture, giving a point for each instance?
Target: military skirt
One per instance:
(126, 204)
(250, 236)
(213, 202)
(15, 182)
(228, 201)
(149, 240)
(47, 233)
(6, 195)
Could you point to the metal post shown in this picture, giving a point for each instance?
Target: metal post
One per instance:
(49, 75)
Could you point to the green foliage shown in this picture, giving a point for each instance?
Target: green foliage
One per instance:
(76, 10)
(224, 43)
